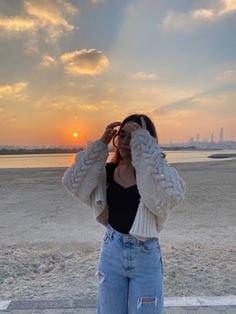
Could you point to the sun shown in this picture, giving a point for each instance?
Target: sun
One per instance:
(75, 134)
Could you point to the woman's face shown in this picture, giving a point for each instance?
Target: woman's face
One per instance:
(124, 137)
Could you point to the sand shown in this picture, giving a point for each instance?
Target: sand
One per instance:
(50, 242)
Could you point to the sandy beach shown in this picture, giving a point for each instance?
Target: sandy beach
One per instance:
(50, 242)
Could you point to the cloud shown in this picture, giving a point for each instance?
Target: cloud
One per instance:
(203, 14)
(48, 12)
(227, 76)
(48, 15)
(159, 112)
(98, 1)
(17, 24)
(229, 6)
(84, 62)
(70, 9)
(31, 46)
(58, 105)
(187, 21)
(47, 61)
(87, 107)
(13, 90)
(177, 106)
(215, 102)
(222, 105)
(144, 76)
(191, 20)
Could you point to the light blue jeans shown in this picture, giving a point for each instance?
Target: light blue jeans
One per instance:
(130, 275)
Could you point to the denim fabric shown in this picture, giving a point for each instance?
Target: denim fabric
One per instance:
(130, 275)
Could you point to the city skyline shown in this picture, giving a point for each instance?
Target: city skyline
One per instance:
(212, 137)
(72, 67)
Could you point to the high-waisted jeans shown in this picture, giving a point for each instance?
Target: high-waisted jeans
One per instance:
(130, 275)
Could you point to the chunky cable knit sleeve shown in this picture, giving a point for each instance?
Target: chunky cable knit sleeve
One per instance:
(159, 184)
(83, 177)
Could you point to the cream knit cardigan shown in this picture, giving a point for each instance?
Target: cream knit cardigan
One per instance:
(159, 184)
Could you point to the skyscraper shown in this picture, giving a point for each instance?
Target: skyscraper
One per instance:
(222, 135)
(212, 137)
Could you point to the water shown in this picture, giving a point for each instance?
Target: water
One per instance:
(65, 160)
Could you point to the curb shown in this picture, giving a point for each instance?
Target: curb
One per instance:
(8, 305)
(193, 302)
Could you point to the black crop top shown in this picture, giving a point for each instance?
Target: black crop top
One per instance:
(122, 202)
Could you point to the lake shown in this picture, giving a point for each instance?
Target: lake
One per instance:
(65, 160)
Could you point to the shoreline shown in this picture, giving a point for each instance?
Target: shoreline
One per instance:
(76, 149)
(193, 163)
(64, 161)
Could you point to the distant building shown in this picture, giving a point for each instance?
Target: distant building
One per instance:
(212, 137)
(198, 137)
(221, 135)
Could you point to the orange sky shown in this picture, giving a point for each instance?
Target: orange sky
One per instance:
(66, 67)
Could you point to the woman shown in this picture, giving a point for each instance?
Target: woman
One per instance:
(131, 196)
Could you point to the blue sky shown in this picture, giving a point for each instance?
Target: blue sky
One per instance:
(75, 66)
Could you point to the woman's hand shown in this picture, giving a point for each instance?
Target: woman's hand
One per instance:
(110, 132)
(132, 126)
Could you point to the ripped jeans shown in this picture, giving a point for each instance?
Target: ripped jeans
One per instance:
(130, 275)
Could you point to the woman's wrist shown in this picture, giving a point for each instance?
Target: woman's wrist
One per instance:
(103, 140)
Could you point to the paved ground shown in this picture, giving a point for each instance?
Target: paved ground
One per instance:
(188, 305)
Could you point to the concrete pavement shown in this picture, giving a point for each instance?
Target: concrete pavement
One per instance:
(184, 305)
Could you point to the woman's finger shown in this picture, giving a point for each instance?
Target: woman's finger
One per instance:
(109, 132)
(133, 126)
(113, 124)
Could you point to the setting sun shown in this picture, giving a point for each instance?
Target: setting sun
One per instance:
(75, 134)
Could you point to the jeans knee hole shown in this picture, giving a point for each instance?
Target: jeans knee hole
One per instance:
(143, 301)
(100, 276)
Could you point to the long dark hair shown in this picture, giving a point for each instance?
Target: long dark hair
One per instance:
(135, 118)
